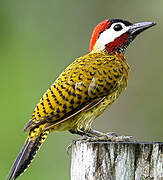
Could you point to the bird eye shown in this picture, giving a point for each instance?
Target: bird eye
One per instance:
(117, 27)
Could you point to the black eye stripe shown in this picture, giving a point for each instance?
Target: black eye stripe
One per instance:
(126, 23)
(111, 21)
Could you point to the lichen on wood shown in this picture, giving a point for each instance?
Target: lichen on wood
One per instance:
(116, 161)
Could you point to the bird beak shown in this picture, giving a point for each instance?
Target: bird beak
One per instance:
(137, 28)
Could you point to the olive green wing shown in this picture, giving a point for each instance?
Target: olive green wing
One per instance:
(80, 87)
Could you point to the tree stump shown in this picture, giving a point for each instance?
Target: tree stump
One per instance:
(116, 161)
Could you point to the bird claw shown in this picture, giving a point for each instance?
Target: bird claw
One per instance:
(123, 139)
(111, 136)
(69, 147)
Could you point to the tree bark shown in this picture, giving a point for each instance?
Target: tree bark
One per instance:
(116, 161)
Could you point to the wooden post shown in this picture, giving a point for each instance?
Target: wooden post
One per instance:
(116, 161)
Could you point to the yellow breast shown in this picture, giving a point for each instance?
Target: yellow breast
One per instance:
(90, 77)
(84, 119)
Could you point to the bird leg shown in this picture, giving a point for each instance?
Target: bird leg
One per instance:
(85, 136)
(111, 136)
(94, 135)
(82, 133)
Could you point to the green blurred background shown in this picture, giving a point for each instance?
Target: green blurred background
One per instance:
(38, 39)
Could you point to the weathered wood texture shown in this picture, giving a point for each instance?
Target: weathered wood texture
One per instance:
(116, 161)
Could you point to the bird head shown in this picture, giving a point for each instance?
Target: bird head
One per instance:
(114, 35)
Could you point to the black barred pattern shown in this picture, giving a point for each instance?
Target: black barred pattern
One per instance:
(26, 155)
(87, 78)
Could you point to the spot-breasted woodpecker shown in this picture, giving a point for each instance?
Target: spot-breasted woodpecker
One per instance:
(83, 90)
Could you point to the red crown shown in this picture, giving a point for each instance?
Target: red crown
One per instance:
(102, 26)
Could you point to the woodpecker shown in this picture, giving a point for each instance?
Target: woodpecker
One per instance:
(83, 90)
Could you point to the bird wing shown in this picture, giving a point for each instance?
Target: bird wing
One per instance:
(73, 114)
(80, 87)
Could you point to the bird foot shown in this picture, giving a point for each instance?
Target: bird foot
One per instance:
(111, 136)
(122, 139)
(69, 147)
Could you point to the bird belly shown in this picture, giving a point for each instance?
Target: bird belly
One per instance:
(84, 119)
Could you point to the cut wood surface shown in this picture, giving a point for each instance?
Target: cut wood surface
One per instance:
(116, 160)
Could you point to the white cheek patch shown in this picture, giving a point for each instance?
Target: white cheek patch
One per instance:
(110, 35)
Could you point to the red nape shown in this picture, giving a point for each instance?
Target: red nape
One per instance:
(96, 32)
(117, 43)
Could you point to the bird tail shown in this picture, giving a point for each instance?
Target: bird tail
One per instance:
(26, 155)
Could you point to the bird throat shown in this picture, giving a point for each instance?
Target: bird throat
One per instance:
(119, 44)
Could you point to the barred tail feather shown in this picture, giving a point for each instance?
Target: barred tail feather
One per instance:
(26, 155)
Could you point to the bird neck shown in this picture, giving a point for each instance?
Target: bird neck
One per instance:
(118, 45)
(121, 56)
(105, 52)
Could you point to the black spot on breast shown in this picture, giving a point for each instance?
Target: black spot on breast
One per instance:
(69, 92)
(57, 101)
(58, 110)
(48, 99)
(80, 77)
(65, 106)
(52, 113)
(42, 104)
(63, 97)
(86, 93)
(108, 84)
(64, 111)
(79, 96)
(109, 77)
(53, 96)
(51, 107)
(99, 73)
(72, 101)
(73, 94)
(100, 80)
(78, 89)
(72, 79)
(86, 98)
(62, 86)
(93, 93)
(116, 76)
(67, 83)
(44, 111)
(78, 102)
(104, 72)
(92, 73)
(114, 70)
(73, 86)
(71, 107)
(101, 85)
